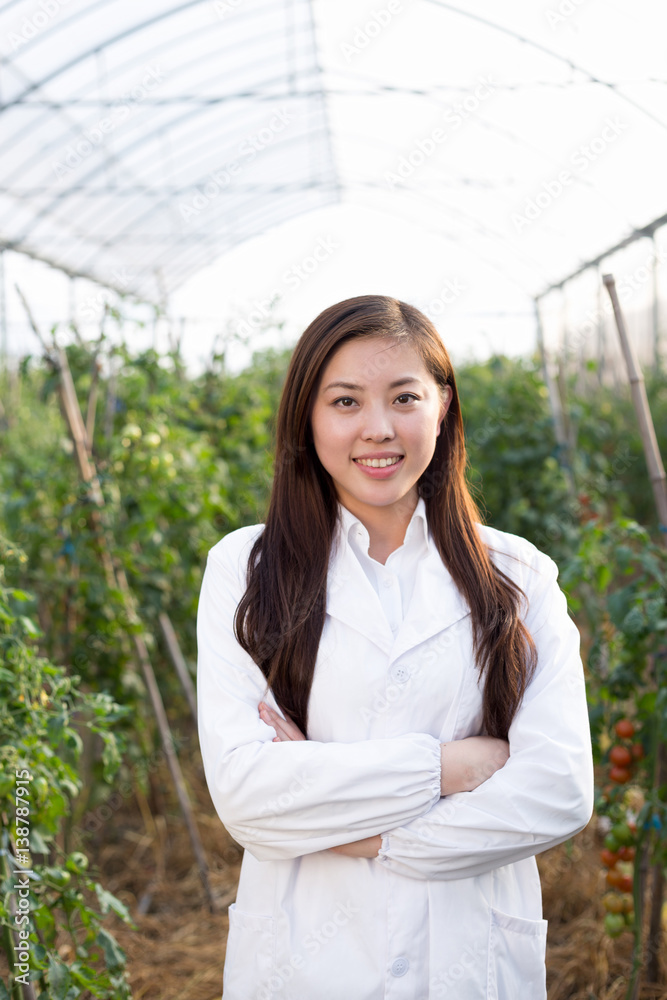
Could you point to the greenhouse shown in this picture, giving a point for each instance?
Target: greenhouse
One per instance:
(186, 188)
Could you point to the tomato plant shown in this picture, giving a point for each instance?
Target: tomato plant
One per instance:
(39, 751)
(618, 581)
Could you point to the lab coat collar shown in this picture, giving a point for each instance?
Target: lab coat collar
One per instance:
(435, 605)
(417, 529)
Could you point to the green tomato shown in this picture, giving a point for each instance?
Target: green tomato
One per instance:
(76, 862)
(614, 924)
(623, 834)
(57, 878)
(41, 788)
(611, 842)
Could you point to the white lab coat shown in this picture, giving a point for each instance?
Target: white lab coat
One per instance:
(451, 907)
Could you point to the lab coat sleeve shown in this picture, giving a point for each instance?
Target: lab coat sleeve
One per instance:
(544, 793)
(283, 800)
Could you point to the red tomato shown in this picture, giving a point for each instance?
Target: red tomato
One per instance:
(608, 858)
(620, 756)
(638, 751)
(620, 775)
(626, 853)
(625, 885)
(615, 878)
(624, 729)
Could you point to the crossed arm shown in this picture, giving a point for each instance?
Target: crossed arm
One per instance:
(386, 795)
(465, 764)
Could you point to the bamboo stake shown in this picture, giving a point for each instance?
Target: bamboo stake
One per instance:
(116, 578)
(79, 435)
(642, 409)
(178, 660)
(659, 484)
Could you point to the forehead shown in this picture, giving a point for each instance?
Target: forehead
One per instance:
(366, 360)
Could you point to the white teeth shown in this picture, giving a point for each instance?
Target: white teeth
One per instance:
(378, 463)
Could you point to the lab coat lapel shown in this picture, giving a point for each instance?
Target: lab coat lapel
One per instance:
(436, 604)
(352, 599)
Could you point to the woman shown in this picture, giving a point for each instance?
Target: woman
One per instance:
(393, 719)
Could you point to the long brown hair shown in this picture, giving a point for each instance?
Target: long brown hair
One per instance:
(280, 618)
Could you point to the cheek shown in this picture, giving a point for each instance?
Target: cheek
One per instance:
(330, 438)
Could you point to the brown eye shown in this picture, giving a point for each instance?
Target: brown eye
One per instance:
(406, 397)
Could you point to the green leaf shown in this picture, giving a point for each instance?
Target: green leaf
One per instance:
(114, 955)
(29, 626)
(108, 902)
(59, 978)
(38, 844)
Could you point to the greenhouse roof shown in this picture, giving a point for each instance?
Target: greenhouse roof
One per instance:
(142, 141)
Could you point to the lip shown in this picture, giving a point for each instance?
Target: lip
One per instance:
(386, 473)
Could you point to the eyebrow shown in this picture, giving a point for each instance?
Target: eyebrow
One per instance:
(406, 380)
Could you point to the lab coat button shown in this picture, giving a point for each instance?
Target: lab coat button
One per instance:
(387, 581)
(399, 966)
(401, 674)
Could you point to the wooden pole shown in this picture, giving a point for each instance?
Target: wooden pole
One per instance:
(659, 484)
(116, 578)
(642, 409)
(178, 660)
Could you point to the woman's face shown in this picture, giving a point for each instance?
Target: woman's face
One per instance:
(375, 419)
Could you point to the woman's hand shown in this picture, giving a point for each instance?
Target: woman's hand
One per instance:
(368, 848)
(467, 763)
(285, 728)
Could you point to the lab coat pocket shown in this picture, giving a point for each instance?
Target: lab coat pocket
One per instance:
(517, 949)
(250, 957)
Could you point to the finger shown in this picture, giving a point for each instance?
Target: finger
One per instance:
(284, 727)
(274, 720)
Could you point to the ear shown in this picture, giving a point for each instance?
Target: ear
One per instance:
(444, 406)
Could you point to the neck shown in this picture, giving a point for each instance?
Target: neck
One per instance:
(386, 526)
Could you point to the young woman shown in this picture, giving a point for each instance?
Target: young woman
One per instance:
(392, 709)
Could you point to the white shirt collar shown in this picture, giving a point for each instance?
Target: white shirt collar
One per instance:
(354, 529)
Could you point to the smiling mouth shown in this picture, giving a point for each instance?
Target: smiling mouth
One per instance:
(379, 463)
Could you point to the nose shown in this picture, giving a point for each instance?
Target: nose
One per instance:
(379, 425)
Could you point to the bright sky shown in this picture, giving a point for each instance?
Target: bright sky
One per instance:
(466, 210)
